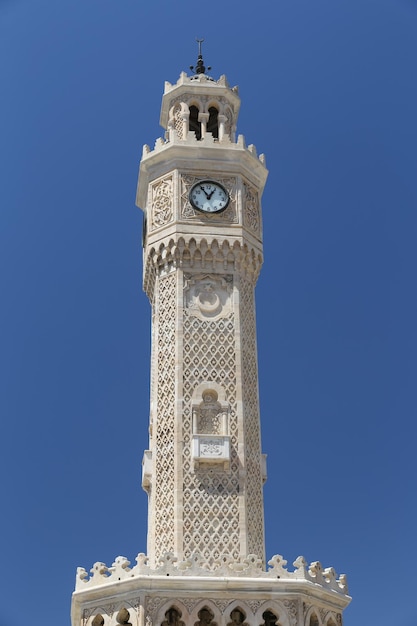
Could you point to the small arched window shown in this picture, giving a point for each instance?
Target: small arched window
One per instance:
(213, 122)
(194, 125)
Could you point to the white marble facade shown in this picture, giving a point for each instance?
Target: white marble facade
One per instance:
(204, 469)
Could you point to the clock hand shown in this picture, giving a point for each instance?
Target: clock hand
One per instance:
(205, 192)
(208, 197)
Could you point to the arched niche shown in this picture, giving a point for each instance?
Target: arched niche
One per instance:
(238, 614)
(172, 613)
(205, 613)
(313, 618)
(330, 619)
(210, 426)
(124, 617)
(263, 616)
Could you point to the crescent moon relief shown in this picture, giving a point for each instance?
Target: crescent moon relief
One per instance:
(208, 300)
(207, 296)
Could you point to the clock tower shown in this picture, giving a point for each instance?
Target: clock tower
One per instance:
(200, 190)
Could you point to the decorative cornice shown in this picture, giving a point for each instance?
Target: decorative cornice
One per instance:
(203, 254)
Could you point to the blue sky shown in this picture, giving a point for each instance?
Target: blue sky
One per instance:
(329, 95)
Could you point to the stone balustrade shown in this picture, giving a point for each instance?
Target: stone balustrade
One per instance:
(249, 567)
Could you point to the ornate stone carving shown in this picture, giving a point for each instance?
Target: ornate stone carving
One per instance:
(208, 295)
(178, 121)
(251, 213)
(199, 565)
(164, 362)
(251, 422)
(228, 127)
(86, 615)
(189, 603)
(210, 496)
(254, 605)
(222, 604)
(206, 255)
(291, 607)
(162, 203)
(152, 605)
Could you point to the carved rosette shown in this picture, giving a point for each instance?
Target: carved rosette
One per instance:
(162, 203)
(189, 212)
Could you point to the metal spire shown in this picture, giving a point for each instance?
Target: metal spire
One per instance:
(199, 68)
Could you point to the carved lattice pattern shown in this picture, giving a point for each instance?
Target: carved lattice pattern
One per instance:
(251, 420)
(211, 508)
(163, 506)
(178, 122)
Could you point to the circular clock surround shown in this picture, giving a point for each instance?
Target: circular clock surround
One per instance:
(209, 196)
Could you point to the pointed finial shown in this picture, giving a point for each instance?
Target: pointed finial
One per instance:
(199, 68)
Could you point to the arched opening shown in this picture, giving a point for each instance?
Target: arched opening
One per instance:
(193, 124)
(172, 617)
(213, 123)
(314, 620)
(123, 617)
(237, 617)
(270, 619)
(205, 617)
(98, 620)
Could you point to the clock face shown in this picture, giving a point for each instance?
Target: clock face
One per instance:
(209, 196)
